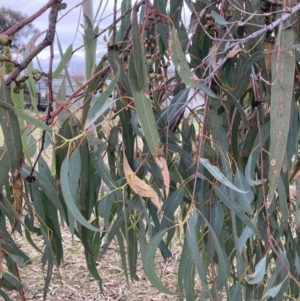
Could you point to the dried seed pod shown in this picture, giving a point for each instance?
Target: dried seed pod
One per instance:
(21, 86)
(208, 16)
(5, 40)
(213, 30)
(166, 65)
(152, 76)
(206, 26)
(228, 13)
(154, 57)
(159, 77)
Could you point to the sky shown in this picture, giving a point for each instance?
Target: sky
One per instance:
(68, 29)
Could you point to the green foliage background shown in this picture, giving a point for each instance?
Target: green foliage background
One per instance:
(230, 162)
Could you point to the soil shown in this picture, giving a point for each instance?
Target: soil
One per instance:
(72, 281)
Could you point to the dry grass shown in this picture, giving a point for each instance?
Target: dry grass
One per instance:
(72, 280)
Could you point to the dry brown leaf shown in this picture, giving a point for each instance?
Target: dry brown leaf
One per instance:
(234, 53)
(139, 186)
(162, 164)
(18, 192)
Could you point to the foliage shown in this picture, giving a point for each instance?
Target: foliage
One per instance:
(146, 163)
(8, 18)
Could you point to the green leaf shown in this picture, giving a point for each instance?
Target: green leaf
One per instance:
(102, 104)
(282, 91)
(10, 128)
(26, 117)
(243, 199)
(66, 191)
(272, 292)
(230, 203)
(219, 19)
(191, 241)
(257, 56)
(14, 281)
(214, 171)
(2, 294)
(138, 54)
(207, 91)
(63, 63)
(247, 233)
(259, 272)
(125, 22)
(150, 266)
(248, 172)
(179, 59)
(144, 110)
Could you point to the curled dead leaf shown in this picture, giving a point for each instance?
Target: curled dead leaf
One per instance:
(162, 164)
(17, 191)
(139, 186)
(234, 53)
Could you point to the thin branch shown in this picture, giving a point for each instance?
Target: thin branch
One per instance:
(120, 18)
(11, 31)
(115, 23)
(254, 35)
(46, 42)
(274, 3)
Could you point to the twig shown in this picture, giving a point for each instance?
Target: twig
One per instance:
(274, 3)
(271, 26)
(120, 18)
(18, 26)
(115, 23)
(46, 42)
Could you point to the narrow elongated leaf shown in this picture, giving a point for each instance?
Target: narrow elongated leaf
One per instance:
(249, 171)
(214, 171)
(139, 186)
(65, 185)
(64, 60)
(10, 128)
(272, 292)
(243, 199)
(281, 102)
(144, 110)
(100, 105)
(230, 203)
(179, 59)
(259, 272)
(13, 280)
(257, 56)
(247, 233)
(26, 117)
(191, 241)
(139, 53)
(207, 91)
(218, 18)
(150, 266)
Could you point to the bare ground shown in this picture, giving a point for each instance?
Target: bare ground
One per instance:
(72, 281)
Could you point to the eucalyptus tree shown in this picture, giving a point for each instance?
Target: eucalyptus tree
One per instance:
(141, 165)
